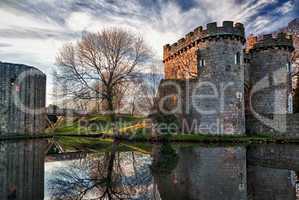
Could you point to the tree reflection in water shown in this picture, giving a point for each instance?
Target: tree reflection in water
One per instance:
(109, 175)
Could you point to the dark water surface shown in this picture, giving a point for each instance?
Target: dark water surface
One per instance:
(44, 169)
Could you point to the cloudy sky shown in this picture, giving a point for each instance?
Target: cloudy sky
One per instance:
(32, 31)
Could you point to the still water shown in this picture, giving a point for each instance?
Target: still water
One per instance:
(44, 169)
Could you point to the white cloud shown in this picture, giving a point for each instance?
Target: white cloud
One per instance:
(78, 21)
(12, 18)
(161, 24)
(158, 27)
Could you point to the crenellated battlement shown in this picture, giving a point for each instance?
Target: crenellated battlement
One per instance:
(282, 40)
(260, 77)
(228, 29)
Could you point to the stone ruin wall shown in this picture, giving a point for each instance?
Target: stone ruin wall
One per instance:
(22, 99)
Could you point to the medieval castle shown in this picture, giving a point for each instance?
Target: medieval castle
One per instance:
(216, 84)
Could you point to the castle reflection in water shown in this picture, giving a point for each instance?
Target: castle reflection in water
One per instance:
(255, 172)
(179, 172)
(22, 170)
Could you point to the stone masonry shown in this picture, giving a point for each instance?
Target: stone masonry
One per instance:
(220, 76)
(22, 99)
(181, 58)
(215, 84)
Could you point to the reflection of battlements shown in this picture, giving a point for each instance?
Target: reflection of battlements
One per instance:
(268, 41)
(228, 29)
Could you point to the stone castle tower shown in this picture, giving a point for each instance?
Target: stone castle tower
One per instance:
(214, 62)
(270, 74)
(269, 84)
(214, 83)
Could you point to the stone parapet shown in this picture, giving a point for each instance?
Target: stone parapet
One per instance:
(227, 30)
(268, 41)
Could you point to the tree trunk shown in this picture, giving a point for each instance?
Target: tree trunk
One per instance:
(111, 108)
(133, 109)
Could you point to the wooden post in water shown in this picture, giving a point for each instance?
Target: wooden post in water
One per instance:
(22, 99)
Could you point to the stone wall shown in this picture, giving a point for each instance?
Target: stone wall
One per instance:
(180, 59)
(173, 96)
(260, 84)
(295, 77)
(270, 77)
(281, 125)
(220, 77)
(222, 73)
(22, 99)
(250, 42)
(270, 87)
(182, 67)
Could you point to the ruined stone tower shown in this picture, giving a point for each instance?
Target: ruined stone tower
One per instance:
(22, 99)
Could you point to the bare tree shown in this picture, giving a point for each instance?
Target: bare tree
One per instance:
(132, 103)
(98, 65)
(140, 95)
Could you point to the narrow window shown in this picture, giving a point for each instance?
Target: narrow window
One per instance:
(289, 67)
(174, 100)
(239, 95)
(202, 63)
(238, 58)
(290, 103)
(12, 81)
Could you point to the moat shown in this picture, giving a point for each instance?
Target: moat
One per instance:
(63, 169)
